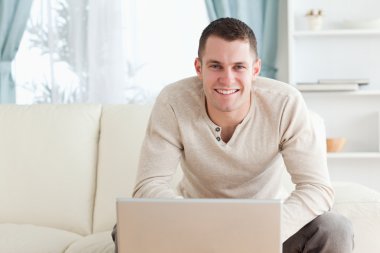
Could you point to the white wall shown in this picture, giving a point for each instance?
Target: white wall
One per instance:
(282, 47)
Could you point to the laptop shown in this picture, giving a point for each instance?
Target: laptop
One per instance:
(198, 226)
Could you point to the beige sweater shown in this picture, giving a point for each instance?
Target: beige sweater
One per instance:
(277, 130)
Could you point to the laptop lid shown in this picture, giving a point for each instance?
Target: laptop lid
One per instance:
(198, 225)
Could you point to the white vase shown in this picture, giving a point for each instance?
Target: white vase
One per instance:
(315, 22)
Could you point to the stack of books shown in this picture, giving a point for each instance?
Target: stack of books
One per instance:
(333, 85)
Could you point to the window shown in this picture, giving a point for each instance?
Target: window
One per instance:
(46, 67)
(162, 42)
(160, 39)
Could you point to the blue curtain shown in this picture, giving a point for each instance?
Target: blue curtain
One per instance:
(13, 17)
(262, 17)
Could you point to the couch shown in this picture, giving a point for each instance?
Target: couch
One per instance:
(63, 166)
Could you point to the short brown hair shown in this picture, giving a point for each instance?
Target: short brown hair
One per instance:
(229, 29)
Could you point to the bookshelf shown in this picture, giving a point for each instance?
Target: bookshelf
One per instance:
(335, 52)
(360, 93)
(336, 32)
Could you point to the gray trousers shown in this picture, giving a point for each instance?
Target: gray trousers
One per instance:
(328, 233)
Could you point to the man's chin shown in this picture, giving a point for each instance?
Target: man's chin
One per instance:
(226, 108)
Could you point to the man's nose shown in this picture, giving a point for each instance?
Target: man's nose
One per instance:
(227, 77)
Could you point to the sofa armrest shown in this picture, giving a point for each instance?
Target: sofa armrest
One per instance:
(361, 205)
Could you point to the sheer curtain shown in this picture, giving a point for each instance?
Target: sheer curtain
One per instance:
(161, 43)
(262, 17)
(99, 51)
(13, 17)
(72, 52)
(106, 57)
(51, 65)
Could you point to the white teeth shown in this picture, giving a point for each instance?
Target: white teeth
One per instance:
(226, 92)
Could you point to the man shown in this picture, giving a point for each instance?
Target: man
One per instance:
(232, 132)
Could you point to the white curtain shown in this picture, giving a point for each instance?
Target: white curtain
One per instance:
(79, 51)
(72, 52)
(106, 57)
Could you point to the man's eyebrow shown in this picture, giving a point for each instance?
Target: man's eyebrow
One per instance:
(213, 61)
(218, 62)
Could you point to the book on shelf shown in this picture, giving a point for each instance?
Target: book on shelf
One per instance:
(359, 81)
(327, 87)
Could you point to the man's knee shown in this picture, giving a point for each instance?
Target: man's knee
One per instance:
(334, 224)
(336, 228)
(329, 232)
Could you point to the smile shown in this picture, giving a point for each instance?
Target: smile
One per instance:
(226, 92)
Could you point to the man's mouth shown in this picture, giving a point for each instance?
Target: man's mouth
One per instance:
(226, 92)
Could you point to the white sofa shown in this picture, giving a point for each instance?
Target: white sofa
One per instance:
(62, 167)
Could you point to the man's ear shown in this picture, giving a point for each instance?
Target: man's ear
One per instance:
(198, 67)
(256, 68)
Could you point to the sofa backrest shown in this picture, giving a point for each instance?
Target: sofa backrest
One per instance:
(122, 133)
(63, 166)
(48, 156)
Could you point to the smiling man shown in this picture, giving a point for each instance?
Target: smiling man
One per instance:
(227, 71)
(233, 133)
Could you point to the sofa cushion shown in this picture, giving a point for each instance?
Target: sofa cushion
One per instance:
(48, 156)
(123, 130)
(33, 239)
(96, 243)
(361, 206)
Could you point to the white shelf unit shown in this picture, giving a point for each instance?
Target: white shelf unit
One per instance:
(354, 116)
(361, 93)
(336, 32)
(354, 155)
(334, 52)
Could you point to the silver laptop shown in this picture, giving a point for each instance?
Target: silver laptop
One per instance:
(198, 226)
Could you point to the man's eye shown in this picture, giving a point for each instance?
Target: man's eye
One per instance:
(215, 66)
(240, 67)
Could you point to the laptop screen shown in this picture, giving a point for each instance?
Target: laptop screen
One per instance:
(198, 225)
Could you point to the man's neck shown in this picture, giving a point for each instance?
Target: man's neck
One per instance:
(228, 121)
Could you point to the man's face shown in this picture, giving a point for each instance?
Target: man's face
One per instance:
(227, 69)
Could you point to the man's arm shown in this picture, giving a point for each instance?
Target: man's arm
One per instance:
(160, 153)
(304, 154)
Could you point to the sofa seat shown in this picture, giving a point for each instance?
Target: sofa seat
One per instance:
(95, 243)
(15, 238)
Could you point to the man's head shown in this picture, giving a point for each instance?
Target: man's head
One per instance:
(227, 64)
(229, 29)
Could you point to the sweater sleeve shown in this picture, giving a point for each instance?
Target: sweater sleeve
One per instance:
(160, 153)
(304, 153)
